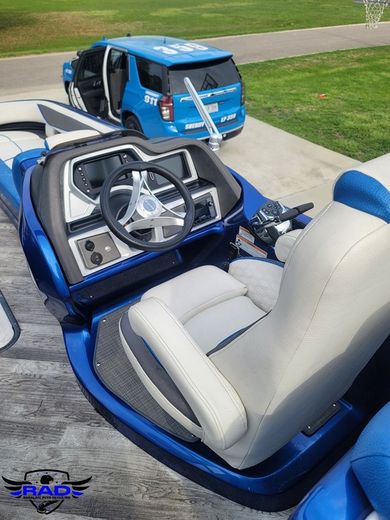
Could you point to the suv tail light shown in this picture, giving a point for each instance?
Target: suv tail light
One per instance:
(242, 93)
(166, 108)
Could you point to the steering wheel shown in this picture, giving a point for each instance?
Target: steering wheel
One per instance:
(145, 211)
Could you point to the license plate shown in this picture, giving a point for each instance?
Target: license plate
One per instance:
(212, 107)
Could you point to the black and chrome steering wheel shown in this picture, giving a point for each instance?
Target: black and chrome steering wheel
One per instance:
(145, 211)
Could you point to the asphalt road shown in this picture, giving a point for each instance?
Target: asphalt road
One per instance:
(32, 73)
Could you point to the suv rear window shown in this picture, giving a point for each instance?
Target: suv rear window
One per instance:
(150, 74)
(204, 76)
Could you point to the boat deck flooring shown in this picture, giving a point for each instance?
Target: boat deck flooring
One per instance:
(46, 422)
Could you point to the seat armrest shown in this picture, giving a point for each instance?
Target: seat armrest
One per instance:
(213, 400)
(285, 243)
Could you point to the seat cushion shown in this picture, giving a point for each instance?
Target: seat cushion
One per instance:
(197, 290)
(14, 142)
(285, 243)
(216, 324)
(261, 277)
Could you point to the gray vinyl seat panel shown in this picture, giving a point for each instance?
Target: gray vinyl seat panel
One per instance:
(242, 313)
(57, 118)
(307, 329)
(12, 143)
(218, 295)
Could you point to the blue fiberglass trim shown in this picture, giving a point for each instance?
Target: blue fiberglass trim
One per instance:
(11, 180)
(253, 198)
(22, 162)
(364, 193)
(8, 193)
(370, 460)
(338, 496)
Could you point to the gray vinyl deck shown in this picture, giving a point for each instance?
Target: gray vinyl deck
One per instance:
(45, 422)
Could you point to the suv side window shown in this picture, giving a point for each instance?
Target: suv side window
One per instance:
(150, 74)
(117, 60)
(92, 66)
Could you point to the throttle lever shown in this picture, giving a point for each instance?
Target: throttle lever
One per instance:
(294, 212)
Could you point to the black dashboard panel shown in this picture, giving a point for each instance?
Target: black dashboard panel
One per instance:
(97, 171)
(48, 186)
(176, 163)
(89, 175)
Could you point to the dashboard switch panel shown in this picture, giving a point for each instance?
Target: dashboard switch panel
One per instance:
(205, 211)
(98, 250)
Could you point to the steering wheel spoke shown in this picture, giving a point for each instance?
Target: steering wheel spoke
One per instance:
(179, 214)
(154, 222)
(138, 182)
(145, 211)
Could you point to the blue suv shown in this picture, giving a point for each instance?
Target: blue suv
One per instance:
(139, 82)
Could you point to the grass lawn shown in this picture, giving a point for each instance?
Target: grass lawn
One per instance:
(35, 26)
(352, 116)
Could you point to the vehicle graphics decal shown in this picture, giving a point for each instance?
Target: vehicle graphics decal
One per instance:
(151, 99)
(176, 48)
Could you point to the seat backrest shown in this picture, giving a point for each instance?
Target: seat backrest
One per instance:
(332, 314)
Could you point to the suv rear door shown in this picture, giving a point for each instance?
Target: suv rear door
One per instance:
(86, 91)
(148, 85)
(116, 76)
(219, 86)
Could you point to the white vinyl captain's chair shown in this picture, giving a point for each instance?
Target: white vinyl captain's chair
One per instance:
(263, 350)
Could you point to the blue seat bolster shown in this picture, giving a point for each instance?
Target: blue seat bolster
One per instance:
(364, 193)
(371, 461)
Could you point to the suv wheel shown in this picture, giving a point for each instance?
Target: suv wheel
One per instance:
(132, 123)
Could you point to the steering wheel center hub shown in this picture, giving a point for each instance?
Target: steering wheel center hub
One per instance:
(148, 206)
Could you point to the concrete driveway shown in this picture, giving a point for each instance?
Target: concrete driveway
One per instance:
(284, 166)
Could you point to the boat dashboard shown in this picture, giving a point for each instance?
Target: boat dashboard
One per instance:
(97, 248)
(67, 186)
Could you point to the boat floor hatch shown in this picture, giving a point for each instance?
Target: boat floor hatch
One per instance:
(117, 374)
(9, 328)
